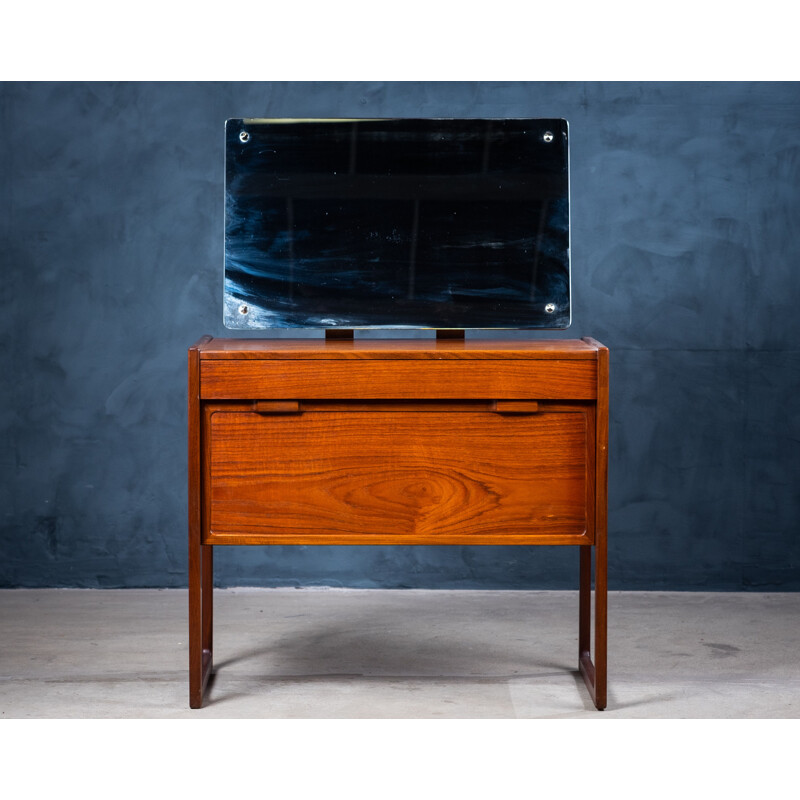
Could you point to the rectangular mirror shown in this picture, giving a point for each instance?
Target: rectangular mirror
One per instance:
(397, 223)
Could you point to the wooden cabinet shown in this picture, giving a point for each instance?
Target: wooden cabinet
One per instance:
(398, 442)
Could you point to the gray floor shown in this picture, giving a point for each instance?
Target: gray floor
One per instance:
(286, 653)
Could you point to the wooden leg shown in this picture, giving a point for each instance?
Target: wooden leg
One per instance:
(585, 602)
(601, 624)
(594, 673)
(208, 604)
(201, 573)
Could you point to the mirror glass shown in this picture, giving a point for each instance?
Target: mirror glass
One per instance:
(397, 223)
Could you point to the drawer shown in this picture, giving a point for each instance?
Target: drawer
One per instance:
(344, 475)
(546, 379)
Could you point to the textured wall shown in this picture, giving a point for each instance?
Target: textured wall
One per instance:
(685, 200)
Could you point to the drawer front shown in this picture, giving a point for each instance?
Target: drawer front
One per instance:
(399, 477)
(375, 379)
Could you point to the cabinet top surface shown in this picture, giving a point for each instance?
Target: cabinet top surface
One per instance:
(210, 348)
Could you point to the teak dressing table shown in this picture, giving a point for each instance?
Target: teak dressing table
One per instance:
(391, 442)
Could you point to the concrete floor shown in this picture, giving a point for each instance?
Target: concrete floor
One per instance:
(287, 653)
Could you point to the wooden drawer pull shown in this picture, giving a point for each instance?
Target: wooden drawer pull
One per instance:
(276, 406)
(515, 406)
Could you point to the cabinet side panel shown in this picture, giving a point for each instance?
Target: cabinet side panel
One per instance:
(194, 529)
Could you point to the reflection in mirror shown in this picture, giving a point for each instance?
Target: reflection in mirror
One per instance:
(397, 223)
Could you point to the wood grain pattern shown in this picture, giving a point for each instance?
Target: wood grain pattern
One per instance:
(378, 476)
(398, 442)
(389, 379)
(594, 671)
(398, 349)
(199, 613)
(600, 696)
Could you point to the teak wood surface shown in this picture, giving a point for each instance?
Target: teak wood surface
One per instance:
(389, 476)
(398, 442)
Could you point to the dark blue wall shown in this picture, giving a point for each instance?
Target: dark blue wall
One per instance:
(685, 253)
